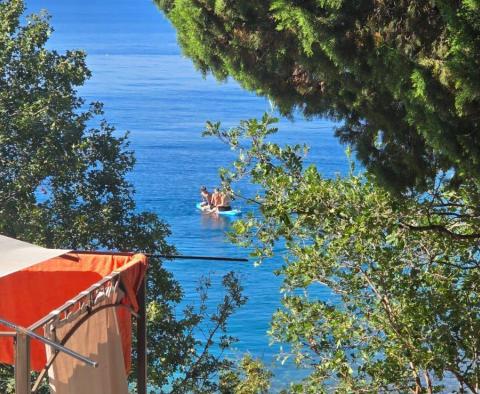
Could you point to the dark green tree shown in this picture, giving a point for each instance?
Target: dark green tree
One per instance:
(400, 76)
(63, 184)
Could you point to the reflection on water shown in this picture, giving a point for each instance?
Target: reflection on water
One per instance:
(212, 221)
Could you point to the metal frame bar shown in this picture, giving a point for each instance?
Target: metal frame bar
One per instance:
(165, 256)
(8, 334)
(19, 330)
(209, 258)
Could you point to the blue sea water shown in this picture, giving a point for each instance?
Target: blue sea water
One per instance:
(150, 89)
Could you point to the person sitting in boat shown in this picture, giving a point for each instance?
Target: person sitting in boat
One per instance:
(206, 198)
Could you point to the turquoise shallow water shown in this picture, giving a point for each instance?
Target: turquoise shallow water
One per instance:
(149, 89)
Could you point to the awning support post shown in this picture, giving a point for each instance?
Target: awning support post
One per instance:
(142, 341)
(22, 363)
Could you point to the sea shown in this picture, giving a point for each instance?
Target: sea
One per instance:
(150, 89)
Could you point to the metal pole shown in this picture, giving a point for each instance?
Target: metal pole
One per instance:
(208, 258)
(47, 341)
(22, 363)
(166, 256)
(142, 341)
(8, 334)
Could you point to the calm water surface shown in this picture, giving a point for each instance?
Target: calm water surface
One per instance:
(149, 89)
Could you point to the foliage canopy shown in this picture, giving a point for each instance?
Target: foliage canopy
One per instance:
(402, 79)
(403, 274)
(401, 76)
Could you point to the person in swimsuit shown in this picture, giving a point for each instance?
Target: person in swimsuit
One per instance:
(206, 198)
(220, 201)
(224, 202)
(216, 200)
